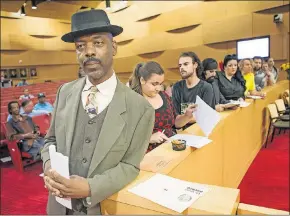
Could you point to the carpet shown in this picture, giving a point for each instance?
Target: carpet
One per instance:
(23, 194)
(266, 182)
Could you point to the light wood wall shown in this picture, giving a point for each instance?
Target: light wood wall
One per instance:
(153, 30)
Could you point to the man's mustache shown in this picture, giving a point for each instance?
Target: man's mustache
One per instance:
(90, 60)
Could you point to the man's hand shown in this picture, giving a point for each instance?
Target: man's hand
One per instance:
(47, 175)
(219, 107)
(75, 187)
(189, 110)
(29, 136)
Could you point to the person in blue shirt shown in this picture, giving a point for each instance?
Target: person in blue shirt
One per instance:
(28, 110)
(42, 104)
(22, 83)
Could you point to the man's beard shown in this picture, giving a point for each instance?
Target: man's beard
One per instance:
(210, 79)
(256, 69)
(186, 75)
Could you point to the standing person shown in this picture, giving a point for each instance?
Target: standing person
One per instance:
(185, 91)
(100, 124)
(147, 80)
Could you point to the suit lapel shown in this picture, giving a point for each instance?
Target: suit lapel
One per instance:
(111, 129)
(72, 102)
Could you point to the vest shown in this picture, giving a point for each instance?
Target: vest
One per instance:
(85, 138)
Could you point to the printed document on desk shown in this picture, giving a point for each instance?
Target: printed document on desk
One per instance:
(59, 163)
(169, 192)
(192, 140)
(206, 117)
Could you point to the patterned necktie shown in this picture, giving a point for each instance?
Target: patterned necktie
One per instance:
(91, 104)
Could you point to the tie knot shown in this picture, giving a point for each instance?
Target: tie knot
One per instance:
(94, 89)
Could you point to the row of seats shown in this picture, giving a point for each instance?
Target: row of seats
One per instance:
(279, 115)
(21, 159)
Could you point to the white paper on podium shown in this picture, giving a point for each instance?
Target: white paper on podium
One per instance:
(254, 97)
(206, 117)
(241, 103)
(169, 192)
(59, 163)
(192, 140)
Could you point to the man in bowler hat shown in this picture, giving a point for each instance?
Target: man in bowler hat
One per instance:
(100, 124)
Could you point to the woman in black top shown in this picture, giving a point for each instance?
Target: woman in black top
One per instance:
(231, 83)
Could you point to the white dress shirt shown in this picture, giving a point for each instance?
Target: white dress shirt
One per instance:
(104, 96)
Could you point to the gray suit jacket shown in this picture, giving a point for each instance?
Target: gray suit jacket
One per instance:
(121, 146)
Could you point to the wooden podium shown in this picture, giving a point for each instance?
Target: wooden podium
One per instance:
(218, 200)
(222, 164)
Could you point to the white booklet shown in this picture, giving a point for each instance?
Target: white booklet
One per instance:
(206, 117)
(59, 163)
(169, 192)
(192, 140)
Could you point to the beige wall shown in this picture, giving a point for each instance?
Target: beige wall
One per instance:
(157, 31)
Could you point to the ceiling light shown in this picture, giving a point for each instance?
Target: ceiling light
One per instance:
(108, 4)
(22, 11)
(33, 4)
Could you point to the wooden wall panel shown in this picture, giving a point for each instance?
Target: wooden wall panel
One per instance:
(257, 6)
(277, 46)
(263, 24)
(227, 29)
(12, 58)
(209, 28)
(178, 18)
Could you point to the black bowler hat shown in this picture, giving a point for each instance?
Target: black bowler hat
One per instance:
(88, 22)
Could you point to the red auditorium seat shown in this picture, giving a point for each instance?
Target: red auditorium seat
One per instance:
(4, 117)
(16, 154)
(4, 109)
(43, 122)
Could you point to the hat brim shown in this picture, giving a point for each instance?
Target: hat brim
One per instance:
(71, 36)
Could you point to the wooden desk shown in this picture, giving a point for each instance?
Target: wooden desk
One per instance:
(236, 141)
(218, 200)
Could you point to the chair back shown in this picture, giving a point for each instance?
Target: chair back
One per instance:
(273, 111)
(280, 105)
(43, 122)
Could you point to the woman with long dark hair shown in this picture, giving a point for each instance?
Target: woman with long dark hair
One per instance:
(147, 80)
(231, 83)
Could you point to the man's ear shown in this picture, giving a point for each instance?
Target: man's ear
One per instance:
(115, 47)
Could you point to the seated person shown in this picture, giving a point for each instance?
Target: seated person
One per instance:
(43, 104)
(246, 67)
(210, 67)
(27, 110)
(231, 83)
(22, 128)
(185, 91)
(26, 95)
(22, 83)
(147, 80)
